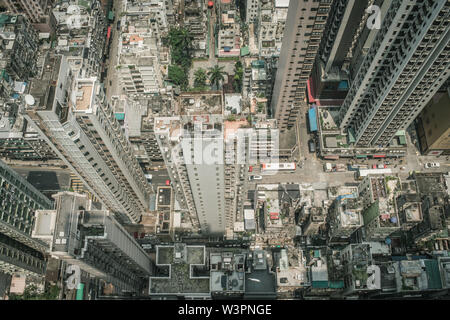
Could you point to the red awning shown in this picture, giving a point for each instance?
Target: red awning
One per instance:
(108, 35)
(379, 156)
(310, 91)
(331, 157)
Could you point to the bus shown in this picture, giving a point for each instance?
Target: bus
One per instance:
(361, 173)
(267, 167)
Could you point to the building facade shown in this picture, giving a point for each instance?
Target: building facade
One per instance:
(93, 240)
(408, 61)
(19, 200)
(82, 130)
(303, 32)
(38, 12)
(433, 129)
(19, 47)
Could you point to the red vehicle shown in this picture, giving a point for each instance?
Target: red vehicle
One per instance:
(210, 4)
(385, 166)
(167, 182)
(250, 169)
(374, 166)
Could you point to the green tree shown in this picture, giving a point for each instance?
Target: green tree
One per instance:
(200, 78)
(31, 293)
(238, 76)
(216, 75)
(180, 41)
(178, 76)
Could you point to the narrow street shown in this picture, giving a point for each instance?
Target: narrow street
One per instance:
(112, 78)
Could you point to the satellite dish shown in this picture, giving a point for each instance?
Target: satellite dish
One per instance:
(29, 100)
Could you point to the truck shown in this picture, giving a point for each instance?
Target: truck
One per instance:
(312, 146)
(265, 167)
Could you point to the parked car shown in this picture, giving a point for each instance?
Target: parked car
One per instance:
(254, 178)
(430, 165)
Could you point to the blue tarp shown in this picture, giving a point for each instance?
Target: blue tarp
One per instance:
(312, 120)
(346, 196)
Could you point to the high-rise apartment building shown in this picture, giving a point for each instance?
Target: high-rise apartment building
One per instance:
(95, 241)
(38, 12)
(34, 10)
(82, 33)
(252, 8)
(80, 126)
(433, 127)
(19, 201)
(271, 21)
(329, 81)
(18, 48)
(205, 175)
(305, 24)
(407, 62)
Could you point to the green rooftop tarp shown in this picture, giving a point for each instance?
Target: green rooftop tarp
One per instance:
(319, 284)
(433, 274)
(402, 140)
(245, 51)
(351, 136)
(371, 213)
(111, 15)
(120, 116)
(3, 19)
(80, 291)
(258, 64)
(327, 284)
(336, 284)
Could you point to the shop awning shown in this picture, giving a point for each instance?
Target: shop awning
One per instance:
(379, 156)
(310, 91)
(331, 157)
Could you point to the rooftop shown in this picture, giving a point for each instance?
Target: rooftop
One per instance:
(227, 272)
(197, 103)
(177, 275)
(430, 182)
(84, 95)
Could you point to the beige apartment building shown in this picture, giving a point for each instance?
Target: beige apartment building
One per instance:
(305, 24)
